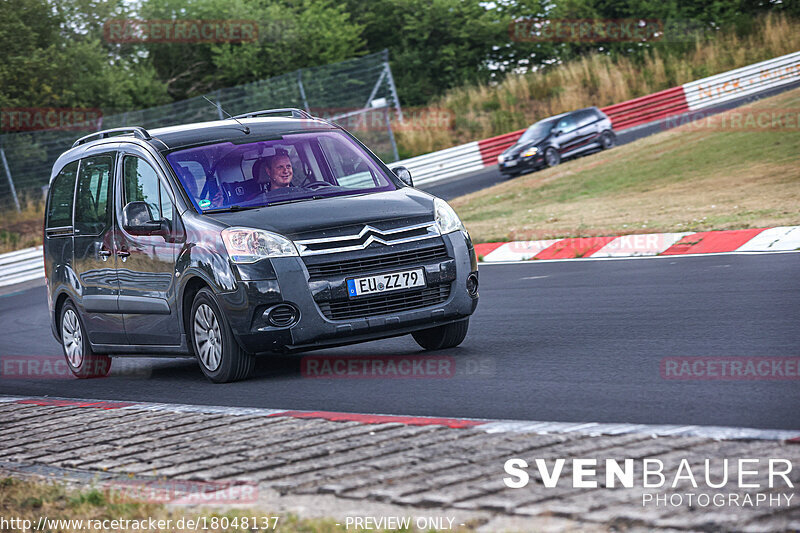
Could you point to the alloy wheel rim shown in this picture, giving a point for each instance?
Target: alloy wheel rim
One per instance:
(551, 157)
(207, 337)
(72, 337)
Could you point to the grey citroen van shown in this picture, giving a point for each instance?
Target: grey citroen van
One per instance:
(273, 231)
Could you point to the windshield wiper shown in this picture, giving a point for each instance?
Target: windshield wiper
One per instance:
(232, 208)
(317, 197)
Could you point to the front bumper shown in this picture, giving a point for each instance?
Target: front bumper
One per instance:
(522, 164)
(291, 283)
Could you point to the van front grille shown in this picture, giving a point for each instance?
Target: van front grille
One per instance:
(368, 264)
(384, 304)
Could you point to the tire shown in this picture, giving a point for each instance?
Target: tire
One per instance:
(220, 357)
(608, 140)
(441, 337)
(552, 157)
(81, 360)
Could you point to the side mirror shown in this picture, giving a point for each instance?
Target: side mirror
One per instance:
(557, 132)
(137, 219)
(404, 174)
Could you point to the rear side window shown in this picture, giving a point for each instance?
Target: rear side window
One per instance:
(586, 117)
(93, 196)
(62, 190)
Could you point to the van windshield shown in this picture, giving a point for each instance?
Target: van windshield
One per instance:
(295, 167)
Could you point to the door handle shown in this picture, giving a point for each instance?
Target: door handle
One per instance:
(123, 254)
(104, 254)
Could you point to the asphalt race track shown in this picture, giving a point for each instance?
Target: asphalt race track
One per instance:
(561, 341)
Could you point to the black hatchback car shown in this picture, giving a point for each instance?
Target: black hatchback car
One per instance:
(550, 140)
(265, 233)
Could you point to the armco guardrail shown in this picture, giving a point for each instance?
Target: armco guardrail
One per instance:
(744, 81)
(444, 163)
(20, 266)
(700, 94)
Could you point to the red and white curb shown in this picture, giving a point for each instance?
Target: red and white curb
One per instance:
(762, 240)
(486, 425)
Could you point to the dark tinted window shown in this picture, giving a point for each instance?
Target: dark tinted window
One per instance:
(93, 197)
(567, 124)
(62, 190)
(585, 117)
(142, 185)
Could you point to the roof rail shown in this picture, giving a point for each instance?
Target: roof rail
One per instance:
(296, 113)
(137, 131)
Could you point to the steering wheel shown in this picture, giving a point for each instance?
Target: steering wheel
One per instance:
(314, 185)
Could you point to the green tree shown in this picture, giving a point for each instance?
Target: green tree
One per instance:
(291, 35)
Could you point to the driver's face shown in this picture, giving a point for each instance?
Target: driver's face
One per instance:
(280, 172)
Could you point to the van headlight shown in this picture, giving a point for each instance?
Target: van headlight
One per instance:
(446, 219)
(248, 245)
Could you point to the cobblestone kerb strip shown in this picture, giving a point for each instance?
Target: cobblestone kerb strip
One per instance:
(388, 462)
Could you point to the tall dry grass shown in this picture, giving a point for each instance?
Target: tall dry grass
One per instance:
(483, 111)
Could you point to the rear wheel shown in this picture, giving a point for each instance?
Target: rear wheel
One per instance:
(441, 337)
(81, 360)
(221, 358)
(552, 157)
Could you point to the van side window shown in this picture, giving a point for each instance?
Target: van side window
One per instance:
(93, 195)
(141, 184)
(62, 191)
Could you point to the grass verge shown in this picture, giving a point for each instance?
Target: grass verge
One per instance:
(701, 176)
(29, 500)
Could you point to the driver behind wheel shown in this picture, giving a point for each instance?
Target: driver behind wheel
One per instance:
(278, 172)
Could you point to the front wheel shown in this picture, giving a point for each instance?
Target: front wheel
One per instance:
(221, 358)
(552, 157)
(441, 337)
(81, 360)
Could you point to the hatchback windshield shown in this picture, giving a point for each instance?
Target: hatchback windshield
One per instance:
(537, 131)
(301, 166)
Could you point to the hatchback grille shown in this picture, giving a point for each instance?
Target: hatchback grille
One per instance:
(385, 303)
(377, 262)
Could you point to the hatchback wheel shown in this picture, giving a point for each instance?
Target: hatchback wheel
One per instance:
(221, 358)
(81, 360)
(552, 157)
(441, 337)
(607, 140)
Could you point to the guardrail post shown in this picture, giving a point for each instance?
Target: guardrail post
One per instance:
(8, 175)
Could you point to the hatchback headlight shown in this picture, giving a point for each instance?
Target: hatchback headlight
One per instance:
(501, 158)
(530, 152)
(248, 245)
(446, 218)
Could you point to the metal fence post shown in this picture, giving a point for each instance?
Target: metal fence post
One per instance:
(392, 87)
(10, 181)
(302, 89)
(219, 105)
(391, 133)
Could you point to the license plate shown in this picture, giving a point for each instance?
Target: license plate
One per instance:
(510, 163)
(385, 282)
